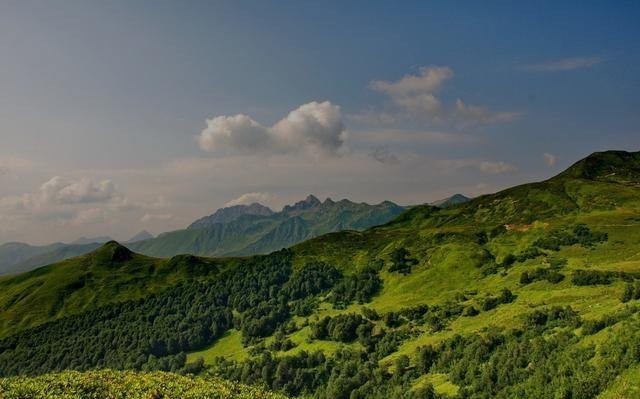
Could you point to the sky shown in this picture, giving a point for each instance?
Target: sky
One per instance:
(119, 116)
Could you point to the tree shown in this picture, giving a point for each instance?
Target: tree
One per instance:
(628, 292)
(401, 262)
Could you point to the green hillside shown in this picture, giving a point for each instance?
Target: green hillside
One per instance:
(530, 292)
(111, 273)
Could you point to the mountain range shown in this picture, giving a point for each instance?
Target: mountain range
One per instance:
(531, 292)
(253, 229)
(234, 230)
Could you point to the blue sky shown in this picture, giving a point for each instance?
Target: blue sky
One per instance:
(104, 105)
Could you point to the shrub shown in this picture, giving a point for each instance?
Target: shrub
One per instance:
(592, 277)
(401, 262)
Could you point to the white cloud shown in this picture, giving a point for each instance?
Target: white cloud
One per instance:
(238, 132)
(416, 97)
(315, 128)
(549, 159)
(564, 64)
(429, 80)
(496, 167)
(249, 198)
(61, 191)
(73, 202)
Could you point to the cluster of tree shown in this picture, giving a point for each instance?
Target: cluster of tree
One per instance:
(631, 291)
(529, 253)
(593, 277)
(491, 302)
(342, 328)
(359, 288)
(580, 234)
(556, 316)
(601, 277)
(281, 342)
(312, 279)
(550, 274)
(347, 374)
(401, 261)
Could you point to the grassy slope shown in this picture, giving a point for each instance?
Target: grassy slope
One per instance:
(126, 384)
(109, 274)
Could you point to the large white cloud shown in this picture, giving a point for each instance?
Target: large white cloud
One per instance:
(238, 132)
(315, 127)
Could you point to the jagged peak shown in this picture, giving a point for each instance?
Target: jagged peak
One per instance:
(308, 203)
(311, 200)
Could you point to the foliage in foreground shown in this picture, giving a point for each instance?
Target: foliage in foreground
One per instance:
(126, 384)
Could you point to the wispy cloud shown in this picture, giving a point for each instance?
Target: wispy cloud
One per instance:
(417, 97)
(564, 64)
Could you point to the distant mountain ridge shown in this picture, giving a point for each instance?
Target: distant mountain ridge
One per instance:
(141, 236)
(253, 229)
(90, 240)
(229, 214)
(235, 230)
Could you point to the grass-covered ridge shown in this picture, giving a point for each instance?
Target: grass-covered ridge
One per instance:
(108, 384)
(430, 304)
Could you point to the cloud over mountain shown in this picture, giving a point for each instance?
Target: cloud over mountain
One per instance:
(315, 127)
